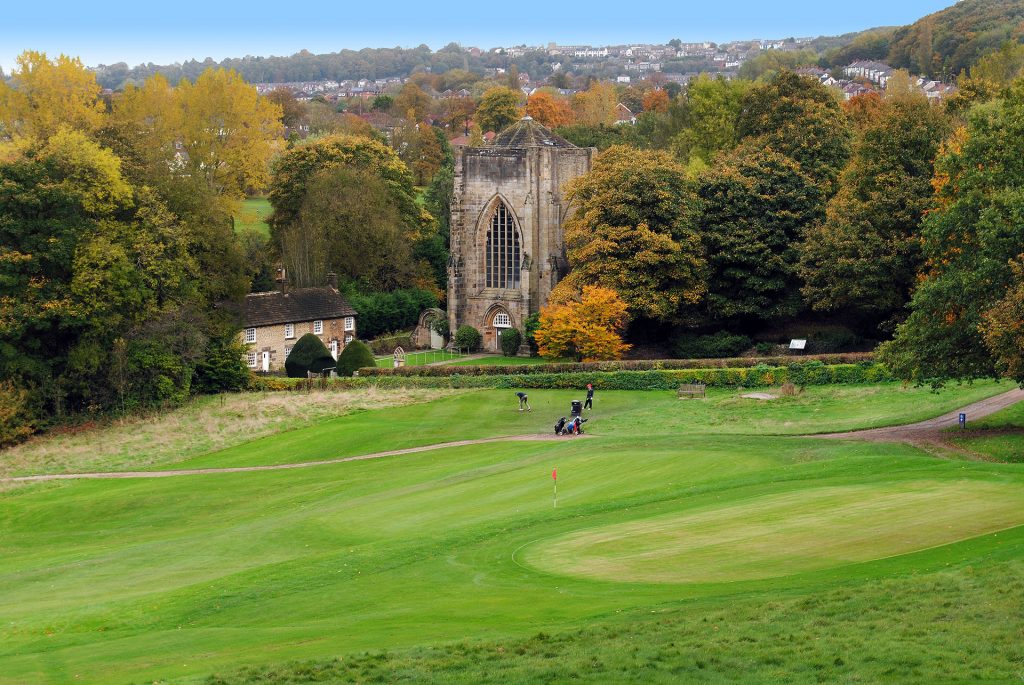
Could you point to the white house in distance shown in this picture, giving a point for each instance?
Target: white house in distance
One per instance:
(274, 321)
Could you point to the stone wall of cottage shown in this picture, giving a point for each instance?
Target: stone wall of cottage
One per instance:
(271, 339)
(531, 182)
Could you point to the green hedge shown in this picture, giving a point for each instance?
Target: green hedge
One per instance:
(610, 367)
(811, 373)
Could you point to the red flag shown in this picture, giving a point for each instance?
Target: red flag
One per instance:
(554, 474)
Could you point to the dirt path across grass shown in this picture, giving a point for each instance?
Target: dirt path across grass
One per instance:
(930, 435)
(279, 467)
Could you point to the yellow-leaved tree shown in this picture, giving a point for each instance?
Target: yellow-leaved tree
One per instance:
(632, 230)
(47, 94)
(229, 131)
(596, 106)
(587, 326)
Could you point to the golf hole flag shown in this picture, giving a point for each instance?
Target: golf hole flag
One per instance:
(554, 477)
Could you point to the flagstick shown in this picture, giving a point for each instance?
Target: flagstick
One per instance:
(555, 503)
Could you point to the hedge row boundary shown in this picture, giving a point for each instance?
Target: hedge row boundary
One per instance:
(615, 366)
(762, 376)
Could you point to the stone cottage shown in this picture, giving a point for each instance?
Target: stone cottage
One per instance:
(508, 208)
(274, 321)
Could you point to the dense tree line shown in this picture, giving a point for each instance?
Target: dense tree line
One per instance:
(119, 267)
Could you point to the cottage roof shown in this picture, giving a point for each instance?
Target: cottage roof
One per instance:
(528, 133)
(294, 306)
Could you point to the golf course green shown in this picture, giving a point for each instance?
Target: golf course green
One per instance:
(710, 541)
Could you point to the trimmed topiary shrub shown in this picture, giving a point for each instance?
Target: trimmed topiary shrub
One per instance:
(467, 338)
(308, 355)
(511, 339)
(721, 344)
(355, 356)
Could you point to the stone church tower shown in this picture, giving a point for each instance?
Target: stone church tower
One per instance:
(508, 207)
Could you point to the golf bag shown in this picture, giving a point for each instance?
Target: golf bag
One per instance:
(560, 426)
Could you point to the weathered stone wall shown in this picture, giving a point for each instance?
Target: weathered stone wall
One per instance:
(531, 183)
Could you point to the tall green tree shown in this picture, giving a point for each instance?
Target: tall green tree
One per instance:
(798, 117)
(86, 260)
(969, 241)
(755, 208)
(865, 257)
(711, 109)
(347, 204)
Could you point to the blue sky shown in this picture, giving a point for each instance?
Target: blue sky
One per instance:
(164, 32)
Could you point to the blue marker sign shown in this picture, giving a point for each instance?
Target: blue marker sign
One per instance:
(963, 420)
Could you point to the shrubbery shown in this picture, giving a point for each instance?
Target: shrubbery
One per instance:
(398, 310)
(467, 338)
(813, 373)
(356, 355)
(721, 344)
(223, 369)
(386, 344)
(613, 366)
(308, 355)
(511, 339)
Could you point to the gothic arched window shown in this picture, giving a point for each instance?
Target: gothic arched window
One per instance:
(503, 250)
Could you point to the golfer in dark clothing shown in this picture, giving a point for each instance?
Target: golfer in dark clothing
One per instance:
(589, 404)
(523, 401)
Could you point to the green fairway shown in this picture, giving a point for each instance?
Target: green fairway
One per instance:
(253, 215)
(692, 540)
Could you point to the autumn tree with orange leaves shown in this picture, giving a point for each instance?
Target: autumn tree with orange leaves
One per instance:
(549, 110)
(656, 101)
(586, 326)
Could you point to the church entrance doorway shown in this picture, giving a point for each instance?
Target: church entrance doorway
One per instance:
(499, 322)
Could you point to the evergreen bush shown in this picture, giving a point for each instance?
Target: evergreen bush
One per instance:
(511, 339)
(308, 355)
(467, 338)
(355, 356)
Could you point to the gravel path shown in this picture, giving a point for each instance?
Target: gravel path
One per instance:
(278, 467)
(930, 434)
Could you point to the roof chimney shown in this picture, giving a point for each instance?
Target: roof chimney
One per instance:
(332, 279)
(282, 280)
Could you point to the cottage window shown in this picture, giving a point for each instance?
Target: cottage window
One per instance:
(348, 339)
(250, 335)
(251, 359)
(288, 350)
(318, 327)
(350, 323)
(289, 331)
(503, 250)
(501, 320)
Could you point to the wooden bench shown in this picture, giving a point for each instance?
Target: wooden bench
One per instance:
(691, 390)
